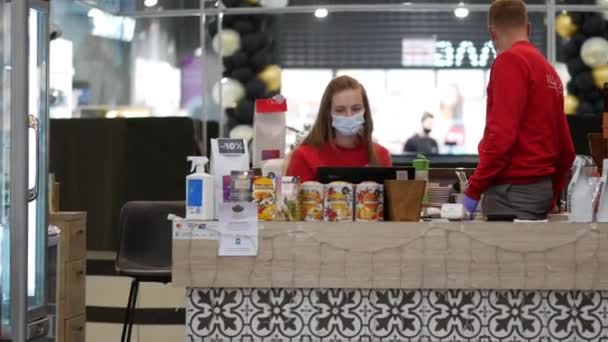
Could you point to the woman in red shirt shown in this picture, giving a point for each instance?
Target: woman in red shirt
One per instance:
(341, 135)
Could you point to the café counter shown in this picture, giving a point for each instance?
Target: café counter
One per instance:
(476, 281)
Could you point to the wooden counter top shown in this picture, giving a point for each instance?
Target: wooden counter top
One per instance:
(460, 255)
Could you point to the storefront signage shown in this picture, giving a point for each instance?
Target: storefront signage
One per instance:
(465, 54)
(446, 54)
(418, 52)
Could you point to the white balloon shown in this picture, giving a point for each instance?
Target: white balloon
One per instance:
(604, 5)
(232, 92)
(242, 132)
(274, 3)
(231, 42)
(594, 52)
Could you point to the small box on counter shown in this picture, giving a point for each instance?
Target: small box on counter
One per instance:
(264, 194)
(311, 201)
(288, 204)
(369, 205)
(339, 202)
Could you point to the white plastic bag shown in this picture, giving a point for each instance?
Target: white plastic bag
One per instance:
(227, 155)
(269, 130)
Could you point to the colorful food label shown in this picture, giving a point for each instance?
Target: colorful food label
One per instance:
(381, 204)
(226, 180)
(288, 205)
(311, 201)
(264, 193)
(369, 202)
(338, 202)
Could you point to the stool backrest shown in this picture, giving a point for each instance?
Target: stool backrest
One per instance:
(146, 233)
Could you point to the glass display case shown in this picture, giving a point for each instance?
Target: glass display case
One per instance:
(23, 137)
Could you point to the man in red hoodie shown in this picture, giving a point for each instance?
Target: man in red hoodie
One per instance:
(526, 151)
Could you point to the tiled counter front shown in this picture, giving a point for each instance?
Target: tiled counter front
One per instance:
(368, 282)
(286, 315)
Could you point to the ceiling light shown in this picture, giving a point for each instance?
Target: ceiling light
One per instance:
(461, 11)
(150, 3)
(321, 13)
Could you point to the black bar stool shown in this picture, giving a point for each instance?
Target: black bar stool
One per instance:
(144, 250)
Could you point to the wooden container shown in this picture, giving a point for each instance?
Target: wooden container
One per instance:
(404, 199)
(598, 146)
(605, 124)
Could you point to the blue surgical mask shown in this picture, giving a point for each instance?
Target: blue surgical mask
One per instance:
(348, 125)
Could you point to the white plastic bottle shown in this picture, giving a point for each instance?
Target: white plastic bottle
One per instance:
(602, 210)
(581, 198)
(199, 191)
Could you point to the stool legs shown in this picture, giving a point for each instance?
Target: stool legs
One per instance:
(130, 312)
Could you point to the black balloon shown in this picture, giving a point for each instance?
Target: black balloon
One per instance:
(255, 89)
(239, 60)
(230, 112)
(586, 108)
(234, 3)
(228, 64)
(594, 25)
(229, 20)
(259, 21)
(230, 124)
(576, 66)
(572, 89)
(599, 107)
(572, 47)
(244, 112)
(244, 27)
(260, 60)
(265, 41)
(584, 82)
(579, 38)
(578, 18)
(253, 42)
(570, 50)
(243, 75)
(591, 96)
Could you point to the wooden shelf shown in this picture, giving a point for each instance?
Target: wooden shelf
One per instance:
(71, 275)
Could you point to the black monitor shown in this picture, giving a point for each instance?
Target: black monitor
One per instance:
(357, 175)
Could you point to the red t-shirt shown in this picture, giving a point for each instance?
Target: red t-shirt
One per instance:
(526, 136)
(306, 159)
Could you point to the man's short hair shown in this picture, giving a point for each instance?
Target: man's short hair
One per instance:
(506, 14)
(427, 115)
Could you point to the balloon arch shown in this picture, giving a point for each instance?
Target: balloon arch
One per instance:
(246, 44)
(585, 51)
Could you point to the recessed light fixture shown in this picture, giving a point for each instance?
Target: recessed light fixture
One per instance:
(321, 12)
(461, 11)
(150, 3)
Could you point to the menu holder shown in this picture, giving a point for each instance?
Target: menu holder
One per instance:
(404, 199)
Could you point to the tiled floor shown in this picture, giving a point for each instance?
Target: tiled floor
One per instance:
(104, 332)
(109, 291)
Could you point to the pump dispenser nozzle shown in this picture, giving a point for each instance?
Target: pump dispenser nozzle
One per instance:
(198, 164)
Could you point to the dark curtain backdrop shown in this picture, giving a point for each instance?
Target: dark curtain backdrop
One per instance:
(104, 163)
